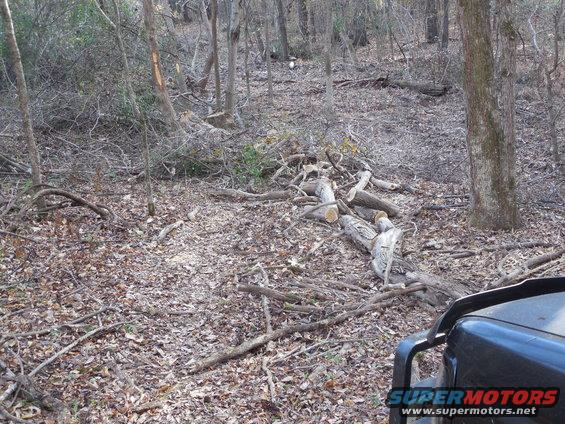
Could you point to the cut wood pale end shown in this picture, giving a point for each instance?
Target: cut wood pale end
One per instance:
(364, 178)
(324, 190)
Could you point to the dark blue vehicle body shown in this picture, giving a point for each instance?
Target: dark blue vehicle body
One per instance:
(510, 337)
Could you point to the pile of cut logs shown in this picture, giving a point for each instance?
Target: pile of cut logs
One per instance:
(366, 219)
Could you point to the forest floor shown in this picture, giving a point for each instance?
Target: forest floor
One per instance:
(179, 298)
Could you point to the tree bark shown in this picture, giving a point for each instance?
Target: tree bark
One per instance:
(281, 19)
(267, 19)
(328, 59)
(157, 74)
(431, 21)
(493, 187)
(217, 81)
(177, 48)
(508, 36)
(302, 12)
(445, 26)
(235, 30)
(246, 40)
(23, 99)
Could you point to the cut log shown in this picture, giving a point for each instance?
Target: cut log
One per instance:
(369, 215)
(383, 251)
(361, 232)
(364, 178)
(385, 184)
(369, 200)
(323, 188)
(428, 89)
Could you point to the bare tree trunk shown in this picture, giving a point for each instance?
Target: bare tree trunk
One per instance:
(217, 82)
(246, 37)
(388, 13)
(302, 11)
(507, 76)
(445, 26)
(313, 31)
(235, 29)
(431, 21)
(139, 115)
(177, 49)
(281, 19)
(23, 99)
(267, 18)
(493, 187)
(553, 112)
(158, 79)
(328, 59)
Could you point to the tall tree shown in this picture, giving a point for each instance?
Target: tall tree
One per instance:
(302, 12)
(328, 58)
(137, 112)
(445, 26)
(431, 21)
(267, 21)
(23, 99)
(217, 82)
(233, 40)
(493, 186)
(281, 19)
(159, 85)
(508, 36)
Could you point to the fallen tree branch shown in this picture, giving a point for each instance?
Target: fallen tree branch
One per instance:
(56, 327)
(13, 418)
(239, 194)
(168, 229)
(14, 386)
(428, 89)
(231, 353)
(530, 264)
(458, 254)
(271, 293)
(103, 211)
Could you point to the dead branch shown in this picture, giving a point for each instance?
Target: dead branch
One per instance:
(56, 327)
(271, 293)
(168, 229)
(231, 353)
(428, 89)
(243, 195)
(458, 254)
(103, 211)
(13, 418)
(9, 233)
(71, 346)
(530, 264)
(14, 386)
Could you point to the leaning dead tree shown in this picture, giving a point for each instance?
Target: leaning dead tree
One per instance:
(23, 98)
(158, 79)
